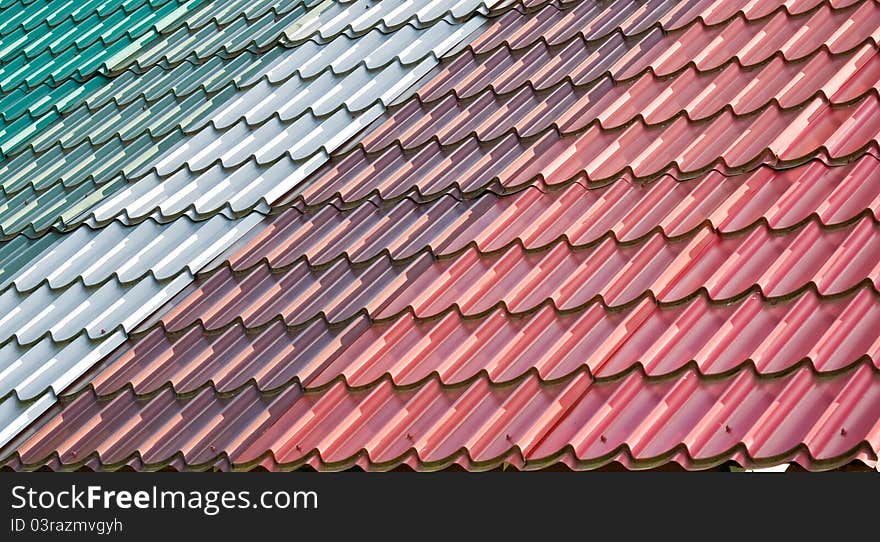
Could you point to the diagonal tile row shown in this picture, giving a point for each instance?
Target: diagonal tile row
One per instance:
(819, 421)
(714, 339)
(537, 217)
(775, 264)
(681, 148)
(649, 99)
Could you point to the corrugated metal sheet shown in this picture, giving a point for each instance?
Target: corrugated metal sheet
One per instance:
(633, 233)
(84, 293)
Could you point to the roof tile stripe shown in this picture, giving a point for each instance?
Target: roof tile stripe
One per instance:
(818, 421)
(509, 291)
(502, 66)
(776, 264)
(773, 338)
(647, 99)
(537, 217)
(681, 148)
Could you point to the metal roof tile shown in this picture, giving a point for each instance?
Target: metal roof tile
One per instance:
(659, 340)
(79, 289)
(683, 148)
(537, 216)
(568, 108)
(776, 264)
(812, 419)
(596, 235)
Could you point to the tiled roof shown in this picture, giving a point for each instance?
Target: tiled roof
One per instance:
(632, 232)
(180, 154)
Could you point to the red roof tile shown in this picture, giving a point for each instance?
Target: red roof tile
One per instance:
(537, 217)
(818, 420)
(629, 233)
(682, 148)
(714, 338)
(494, 61)
(837, 79)
(776, 264)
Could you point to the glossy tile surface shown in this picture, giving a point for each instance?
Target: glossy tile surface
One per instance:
(201, 128)
(627, 232)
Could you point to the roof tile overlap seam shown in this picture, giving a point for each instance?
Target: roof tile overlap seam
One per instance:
(765, 157)
(79, 45)
(239, 86)
(315, 380)
(578, 383)
(725, 208)
(515, 242)
(95, 66)
(190, 212)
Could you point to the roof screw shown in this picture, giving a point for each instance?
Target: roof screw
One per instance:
(727, 429)
(842, 431)
(508, 437)
(25, 202)
(603, 439)
(102, 331)
(408, 436)
(213, 448)
(298, 448)
(73, 453)
(144, 107)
